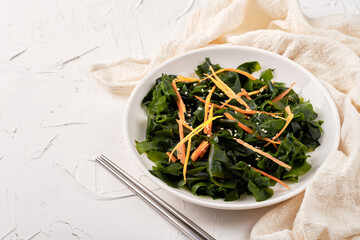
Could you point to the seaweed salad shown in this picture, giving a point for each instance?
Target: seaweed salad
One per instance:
(226, 133)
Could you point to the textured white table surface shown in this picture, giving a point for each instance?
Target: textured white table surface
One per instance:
(55, 119)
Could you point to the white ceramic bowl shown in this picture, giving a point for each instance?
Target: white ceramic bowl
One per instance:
(307, 86)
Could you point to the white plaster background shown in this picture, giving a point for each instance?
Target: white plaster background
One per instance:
(55, 119)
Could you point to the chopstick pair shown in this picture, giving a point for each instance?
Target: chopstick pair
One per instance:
(181, 222)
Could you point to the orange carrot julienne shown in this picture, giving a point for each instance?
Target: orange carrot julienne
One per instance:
(237, 71)
(179, 100)
(185, 125)
(173, 158)
(223, 70)
(210, 104)
(211, 114)
(249, 130)
(207, 104)
(239, 110)
(243, 126)
(270, 176)
(187, 79)
(245, 93)
(270, 141)
(267, 155)
(204, 150)
(260, 90)
(192, 133)
(221, 86)
(226, 102)
(186, 159)
(181, 150)
(288, 120)
(226, 89)
(275, 146)
(283, 94)
(199, 150)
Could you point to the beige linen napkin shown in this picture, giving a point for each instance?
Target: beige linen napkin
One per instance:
(329, 48)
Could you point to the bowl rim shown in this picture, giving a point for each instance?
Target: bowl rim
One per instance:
(197, 199)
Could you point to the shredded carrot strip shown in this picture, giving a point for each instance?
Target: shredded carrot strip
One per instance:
(206, 113)
(226, 89)
(221, 86)
(194, 132)
(237, 71)
(207, 103)
(249, 130)
(187, 79)
(210, 104)
(239, 110)
(211, 114)
(181, 150)
(173, 158)
(179, 101)
(260, 90)
(226, 102)
(185, 125)
(271, 177)
(270, 141)
(288, 120)
(275, 146)
(283, 94)
(244, 93)
(204, 150)
(199, 150)
(262, 153)
(243, 126)
(186, 159)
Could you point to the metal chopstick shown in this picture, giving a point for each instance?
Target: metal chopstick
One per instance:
(182, 223)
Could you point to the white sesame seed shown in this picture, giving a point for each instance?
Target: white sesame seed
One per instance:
(178, 89)
(199, 108)
(186, 92)
(202, 90)
(221, 94)
(221, 128)
(189, 115)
